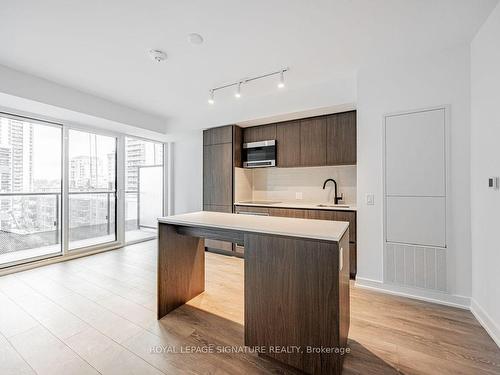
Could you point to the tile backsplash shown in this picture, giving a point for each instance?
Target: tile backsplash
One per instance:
(284, 184)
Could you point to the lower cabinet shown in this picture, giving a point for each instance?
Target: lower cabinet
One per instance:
(353, 259)
(287, 212)
(216, 245)
(349, 216)
(340, 215)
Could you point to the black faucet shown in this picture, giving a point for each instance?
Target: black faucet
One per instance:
(335, 198)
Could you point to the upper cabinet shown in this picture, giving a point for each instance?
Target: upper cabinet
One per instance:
(214, 136)
(341, 139)
(288, 144)
(310, 142)
(259, 133)
(221, 153)
(313, 142)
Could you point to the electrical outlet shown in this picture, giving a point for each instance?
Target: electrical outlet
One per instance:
(298, 195)
(370, 199)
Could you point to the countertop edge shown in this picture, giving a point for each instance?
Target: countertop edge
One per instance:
(166, 220)
(297, 206)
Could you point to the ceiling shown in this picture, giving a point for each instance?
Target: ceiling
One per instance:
(100, 47)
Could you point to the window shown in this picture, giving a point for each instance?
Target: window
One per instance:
(143, 188)
(30, 189)
(58, 189)
(92, 189)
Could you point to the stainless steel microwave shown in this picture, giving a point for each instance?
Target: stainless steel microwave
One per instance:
(259, 154)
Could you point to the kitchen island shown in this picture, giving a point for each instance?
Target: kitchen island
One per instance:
(296, 281)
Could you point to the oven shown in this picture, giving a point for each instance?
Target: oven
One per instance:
(259, 154)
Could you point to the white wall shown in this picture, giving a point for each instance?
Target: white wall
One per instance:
(27, 93)
(187, 173)
(439, 79)
(485, 162)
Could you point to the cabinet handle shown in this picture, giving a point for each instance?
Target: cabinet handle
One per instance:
(253, 213)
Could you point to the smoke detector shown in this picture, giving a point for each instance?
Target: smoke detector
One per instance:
(195, 38)
(157, 55)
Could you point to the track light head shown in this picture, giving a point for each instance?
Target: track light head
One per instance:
(211, 99)
(237, 94)
(281, 83)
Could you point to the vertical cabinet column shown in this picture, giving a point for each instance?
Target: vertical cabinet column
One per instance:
(221, 153)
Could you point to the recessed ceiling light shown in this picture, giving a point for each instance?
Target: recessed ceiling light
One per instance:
(195, 38)
(157, 55)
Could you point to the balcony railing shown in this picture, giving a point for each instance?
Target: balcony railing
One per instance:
(31, 220)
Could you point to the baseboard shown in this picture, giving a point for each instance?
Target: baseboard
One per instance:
(453, 300)
(485, 320)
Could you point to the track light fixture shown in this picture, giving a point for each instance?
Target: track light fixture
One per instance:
(239, 83)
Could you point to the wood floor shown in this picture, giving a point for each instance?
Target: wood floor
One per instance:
(97, 315)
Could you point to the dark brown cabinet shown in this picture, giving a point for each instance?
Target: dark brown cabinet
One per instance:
(252, 210)
(218, 174)
(313, 142)
(353, 260)
(222, 134)
(310, 142)
(221, 153)
(216, 208)
(349, 216)
(341, 139)
(218, 245)
(288, 144)
(237, 146)
(287, 212)
(259, 133)
(334, 215)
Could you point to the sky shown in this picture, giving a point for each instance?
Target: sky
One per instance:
(47, 142)
(47, 148)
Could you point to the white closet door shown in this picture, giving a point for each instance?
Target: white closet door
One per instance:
(416, 220)
(415, 178)
(415, 154)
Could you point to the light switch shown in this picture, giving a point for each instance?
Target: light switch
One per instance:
(298, 195)
(370, 199)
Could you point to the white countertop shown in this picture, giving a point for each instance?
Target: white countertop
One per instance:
(310, 206)
(284, 226)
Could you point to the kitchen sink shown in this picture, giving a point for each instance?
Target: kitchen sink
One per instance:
(333, 205)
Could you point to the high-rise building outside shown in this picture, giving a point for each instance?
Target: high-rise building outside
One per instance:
(18, 135)
(87, 173)
(16, 174)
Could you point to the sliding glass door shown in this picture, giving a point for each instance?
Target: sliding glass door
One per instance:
(143, 188)
(59, 185)
(30, 189)
(91, 189)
